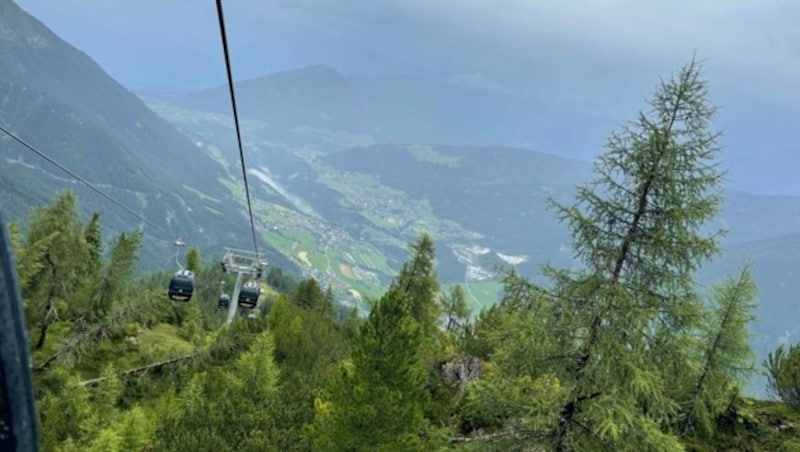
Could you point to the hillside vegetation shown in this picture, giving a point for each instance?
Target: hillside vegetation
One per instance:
(60, 101)
(622, 351)
(484, 205)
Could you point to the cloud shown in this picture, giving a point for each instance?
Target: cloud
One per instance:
(752, 45)
(749, 45)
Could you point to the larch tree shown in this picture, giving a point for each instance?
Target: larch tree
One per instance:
(55, 246)
(94, 238)
(783, 374)
(623, 322)
(454, 306)
(727, 358)
(637, 228)
(117, 274)
(417, 279)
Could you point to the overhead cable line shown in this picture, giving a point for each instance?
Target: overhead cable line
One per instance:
(236, 119)
(80, 179)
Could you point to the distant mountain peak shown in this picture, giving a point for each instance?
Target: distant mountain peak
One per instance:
(316, 72)
(317, 69)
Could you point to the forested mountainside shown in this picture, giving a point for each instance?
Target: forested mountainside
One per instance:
(486, 206)
(625, 351)
(467, 342)
(315, 217)
(59, 100)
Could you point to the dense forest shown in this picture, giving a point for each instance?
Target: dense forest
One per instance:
(623, 351)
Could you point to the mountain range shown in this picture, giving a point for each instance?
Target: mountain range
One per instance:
(344, 171)
(316, 102)
(59, 100)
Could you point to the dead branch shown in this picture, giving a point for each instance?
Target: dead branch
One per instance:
(140, 369)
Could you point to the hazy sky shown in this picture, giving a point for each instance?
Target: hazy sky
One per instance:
(601, 54)
(503, 41)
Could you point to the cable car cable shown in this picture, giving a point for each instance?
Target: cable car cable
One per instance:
(80, 179)
(236, 118)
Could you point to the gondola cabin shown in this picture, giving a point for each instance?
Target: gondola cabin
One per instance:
(181, 286)
(224, 301)
(248, 295)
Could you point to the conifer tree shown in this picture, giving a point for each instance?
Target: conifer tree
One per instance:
(55, 234)
(378, 401)
(454, 305)
(277, 279)
(417, 279)
(327, 308)
(636, 228)
(228, 408)
(783, 374)
(614, 332)
(94, 238)
(308, 346)
(309, 295)
(117, 275)
(28, 258)
(727, 358)
(193, 261)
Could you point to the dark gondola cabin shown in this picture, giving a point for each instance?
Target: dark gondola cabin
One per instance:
(224, 301)
(248, 296)
(181, 286)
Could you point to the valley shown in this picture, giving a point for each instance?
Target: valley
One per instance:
(349, 228)
(480, 231)
(344, 214)
(345, 171)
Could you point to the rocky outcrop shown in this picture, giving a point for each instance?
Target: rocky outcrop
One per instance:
(460, 370)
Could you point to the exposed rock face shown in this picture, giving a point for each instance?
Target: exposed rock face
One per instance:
(460, 370)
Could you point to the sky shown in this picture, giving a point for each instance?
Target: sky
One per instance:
(600, 55)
